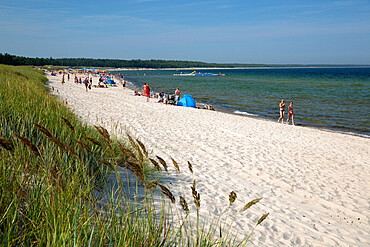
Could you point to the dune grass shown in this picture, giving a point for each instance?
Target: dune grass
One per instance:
(52, 167)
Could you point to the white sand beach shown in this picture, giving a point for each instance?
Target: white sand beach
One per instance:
(314, 183)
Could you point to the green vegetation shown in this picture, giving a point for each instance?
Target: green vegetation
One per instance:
(53, 173)
(113, 63)
(62, 63)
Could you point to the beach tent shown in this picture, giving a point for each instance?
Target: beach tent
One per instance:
(186, 101)
(110, 82)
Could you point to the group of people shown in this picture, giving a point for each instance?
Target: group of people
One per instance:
(282, 112)
(172, 99)
(146, 91)
(87, 81)
(162, 98)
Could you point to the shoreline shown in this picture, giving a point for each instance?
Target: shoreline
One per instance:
(345, 131)
(313, 183)
(250, 67)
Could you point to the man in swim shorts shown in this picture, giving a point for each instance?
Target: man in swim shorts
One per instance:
(177, 95)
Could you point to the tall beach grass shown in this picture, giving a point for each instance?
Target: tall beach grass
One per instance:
(54, 170)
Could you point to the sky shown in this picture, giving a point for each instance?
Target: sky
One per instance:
(220, 31)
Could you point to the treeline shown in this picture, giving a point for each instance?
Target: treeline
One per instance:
(114, 63)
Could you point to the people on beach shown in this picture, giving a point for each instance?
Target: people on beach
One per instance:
(86, 82)
(144, 89)
(160, 97)
(63, 80)
(147, 92)
(177, 95)
(123, 81)
(282, 111)
(136, 93)
(290, 113)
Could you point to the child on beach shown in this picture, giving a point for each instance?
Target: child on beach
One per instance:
(290, 113)
(282, 109)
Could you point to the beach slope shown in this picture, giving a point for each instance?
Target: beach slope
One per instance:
(314, 183)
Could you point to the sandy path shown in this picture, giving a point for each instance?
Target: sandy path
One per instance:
(314, 183)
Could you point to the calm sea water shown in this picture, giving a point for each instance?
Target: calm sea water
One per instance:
(331, 98)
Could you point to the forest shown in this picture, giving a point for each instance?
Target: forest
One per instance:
(111, 63)
(138, 63)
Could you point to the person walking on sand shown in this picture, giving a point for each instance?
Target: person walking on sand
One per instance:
(290, 113)
(177, 95)
(282, 109)
(147, 92)
(86, 81)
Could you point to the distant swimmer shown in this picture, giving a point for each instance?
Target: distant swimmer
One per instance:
(290, 113)
(282, 109)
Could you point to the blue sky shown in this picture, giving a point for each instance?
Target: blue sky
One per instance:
(240, 31)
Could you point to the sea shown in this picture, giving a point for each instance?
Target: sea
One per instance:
(333, 99)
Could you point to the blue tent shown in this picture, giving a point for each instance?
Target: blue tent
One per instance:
(110, 81)
(187, 101)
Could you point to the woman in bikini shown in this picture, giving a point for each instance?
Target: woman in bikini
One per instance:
(290, 113)
(282, 109)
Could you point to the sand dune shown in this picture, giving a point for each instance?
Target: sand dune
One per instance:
(314, 183)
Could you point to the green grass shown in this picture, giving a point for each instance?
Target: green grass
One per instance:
(52, 167)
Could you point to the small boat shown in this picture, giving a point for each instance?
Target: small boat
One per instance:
(194, 73)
